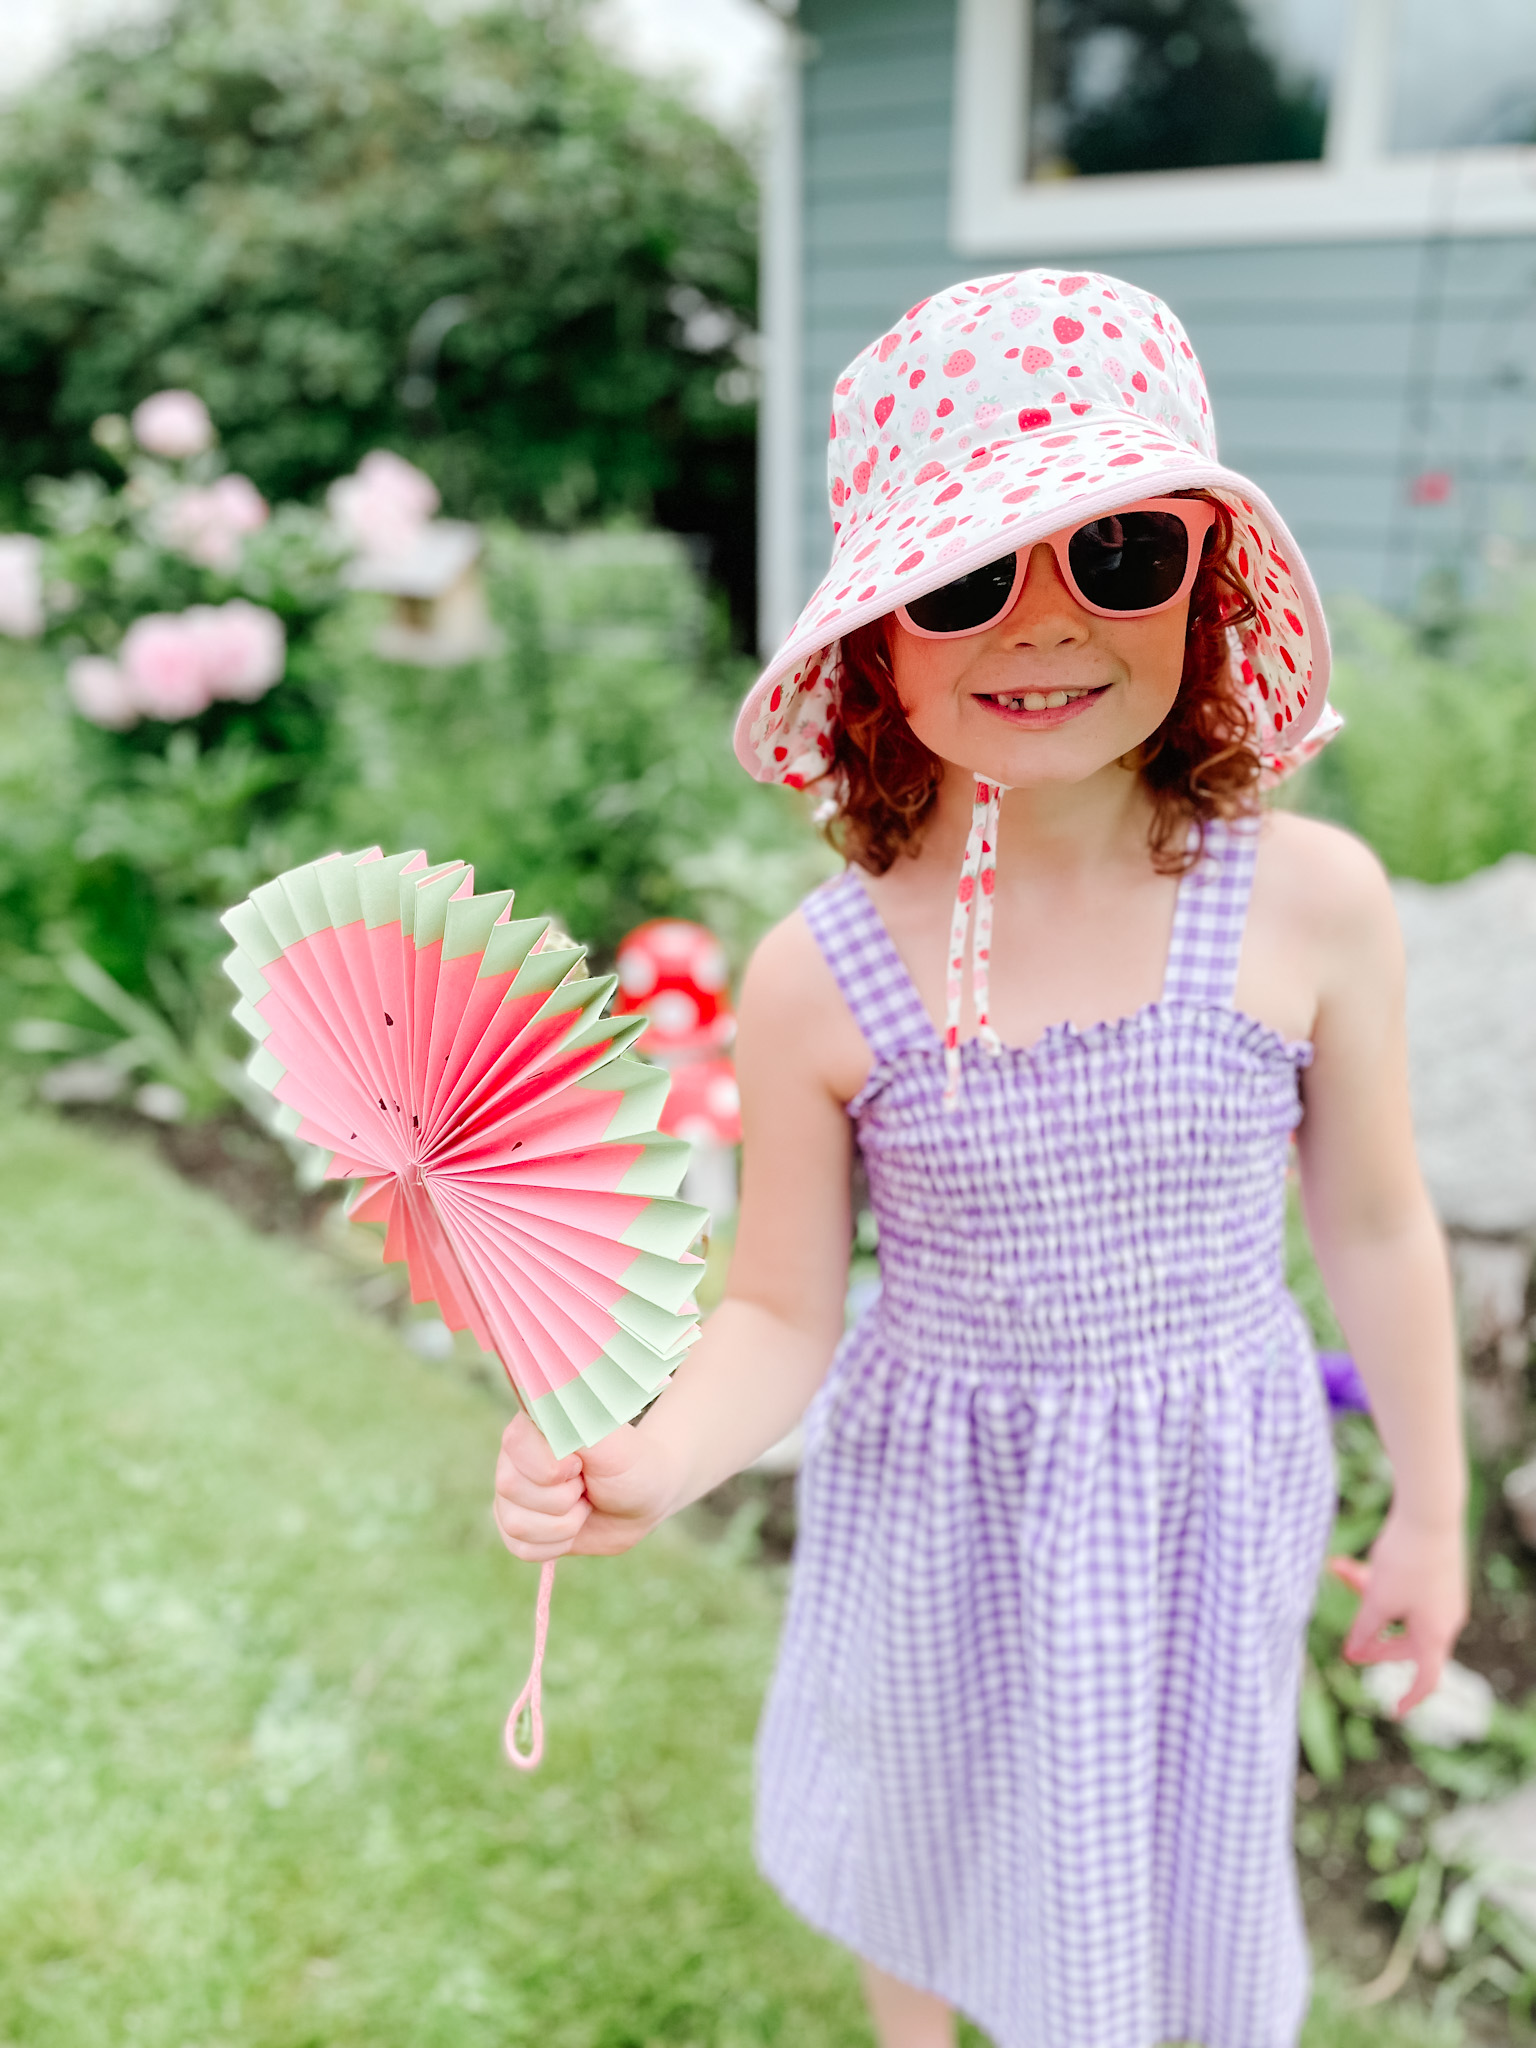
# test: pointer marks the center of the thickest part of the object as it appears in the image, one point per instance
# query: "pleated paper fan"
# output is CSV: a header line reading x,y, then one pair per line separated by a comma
x,y
451,1059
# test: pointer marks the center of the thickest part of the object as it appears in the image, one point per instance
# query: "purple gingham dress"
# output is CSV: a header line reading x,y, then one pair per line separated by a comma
x,y
1031,1740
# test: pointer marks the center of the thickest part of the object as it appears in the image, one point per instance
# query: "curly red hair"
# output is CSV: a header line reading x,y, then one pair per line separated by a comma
x,y
1201,763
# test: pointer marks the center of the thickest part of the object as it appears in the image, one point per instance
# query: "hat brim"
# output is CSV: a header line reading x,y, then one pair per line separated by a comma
x,y
785,727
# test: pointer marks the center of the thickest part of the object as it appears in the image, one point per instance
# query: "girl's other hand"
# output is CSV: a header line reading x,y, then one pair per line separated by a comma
x,y
594,1502
1415,1576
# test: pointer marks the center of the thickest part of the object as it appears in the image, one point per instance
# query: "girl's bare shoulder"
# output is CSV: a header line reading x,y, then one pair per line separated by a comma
x,y
1326,892
791,1004
1323,872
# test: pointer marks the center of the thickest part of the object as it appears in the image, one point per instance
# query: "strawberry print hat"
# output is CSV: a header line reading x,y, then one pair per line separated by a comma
x,y
993,414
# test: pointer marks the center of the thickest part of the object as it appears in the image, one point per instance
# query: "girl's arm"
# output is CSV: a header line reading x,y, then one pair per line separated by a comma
x,y
766,1348
1382,1257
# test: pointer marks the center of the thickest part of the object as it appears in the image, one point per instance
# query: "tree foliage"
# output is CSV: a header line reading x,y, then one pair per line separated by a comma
x,y
1159,85
260,199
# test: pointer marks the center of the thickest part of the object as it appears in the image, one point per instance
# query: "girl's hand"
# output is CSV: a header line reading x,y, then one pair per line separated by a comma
x,y
1417,1577
595,1502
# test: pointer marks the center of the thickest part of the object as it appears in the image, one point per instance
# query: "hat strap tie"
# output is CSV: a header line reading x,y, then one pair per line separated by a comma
x,y
973,915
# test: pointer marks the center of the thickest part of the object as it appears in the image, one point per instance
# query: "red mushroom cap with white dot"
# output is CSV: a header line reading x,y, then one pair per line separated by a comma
x,y
704,1104
677,973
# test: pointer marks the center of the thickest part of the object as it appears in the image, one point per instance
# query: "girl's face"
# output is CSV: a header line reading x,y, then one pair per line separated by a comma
x,y
1051,693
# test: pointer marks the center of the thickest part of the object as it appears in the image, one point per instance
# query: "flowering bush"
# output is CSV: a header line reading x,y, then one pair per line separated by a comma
x,y
343,224
174,665
174,424
180,612
587,759
209,526
180,596
383,505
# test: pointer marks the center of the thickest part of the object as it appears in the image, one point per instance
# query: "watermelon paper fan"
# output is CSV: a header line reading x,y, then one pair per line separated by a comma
x,y
452,1060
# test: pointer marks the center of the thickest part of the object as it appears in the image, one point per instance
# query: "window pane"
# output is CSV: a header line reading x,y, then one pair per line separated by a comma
x,y
1463,76
1166,85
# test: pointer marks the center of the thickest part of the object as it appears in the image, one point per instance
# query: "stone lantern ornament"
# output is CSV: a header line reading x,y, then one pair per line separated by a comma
x,y
439,616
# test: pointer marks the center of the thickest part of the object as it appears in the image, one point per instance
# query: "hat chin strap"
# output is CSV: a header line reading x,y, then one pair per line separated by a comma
x,y
973,914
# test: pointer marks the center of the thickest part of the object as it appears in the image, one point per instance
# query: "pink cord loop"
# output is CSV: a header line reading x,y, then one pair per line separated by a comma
x,y
532,1695
973,916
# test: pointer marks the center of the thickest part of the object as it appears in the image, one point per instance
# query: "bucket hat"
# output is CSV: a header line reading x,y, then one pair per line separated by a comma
x,y
991,415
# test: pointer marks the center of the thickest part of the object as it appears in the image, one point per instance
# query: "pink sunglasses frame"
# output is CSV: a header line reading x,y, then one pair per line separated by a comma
x,y
1198,517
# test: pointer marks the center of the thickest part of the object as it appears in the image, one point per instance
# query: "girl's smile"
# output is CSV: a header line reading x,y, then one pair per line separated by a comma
x,y
1052,693
1039,710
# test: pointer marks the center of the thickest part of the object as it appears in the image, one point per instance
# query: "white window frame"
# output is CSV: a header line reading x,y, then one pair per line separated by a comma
x,y
1357,192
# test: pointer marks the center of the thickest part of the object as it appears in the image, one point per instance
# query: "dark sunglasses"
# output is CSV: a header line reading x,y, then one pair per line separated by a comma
x,y
1122,565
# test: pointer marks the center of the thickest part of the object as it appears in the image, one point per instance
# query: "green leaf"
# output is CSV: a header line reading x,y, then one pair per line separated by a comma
x,y
1319,1729
1396,1888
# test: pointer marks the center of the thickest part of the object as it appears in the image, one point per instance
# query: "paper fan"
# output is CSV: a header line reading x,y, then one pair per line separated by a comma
x,y
446,1057
454,1062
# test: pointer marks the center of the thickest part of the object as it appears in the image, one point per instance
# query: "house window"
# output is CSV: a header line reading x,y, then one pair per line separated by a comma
x,y
1118,86
1121,124
1462,76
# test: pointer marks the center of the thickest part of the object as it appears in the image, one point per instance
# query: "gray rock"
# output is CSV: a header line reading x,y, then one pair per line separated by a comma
x,y
87,1080
1472,1043
1498,1840
1460,1709
429,1337
1520,1499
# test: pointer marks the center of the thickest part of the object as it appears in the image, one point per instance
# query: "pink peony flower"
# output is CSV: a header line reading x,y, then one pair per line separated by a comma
x,y
209,526
383,506
174,665
21,586
242,648
99,691
164,667
173,424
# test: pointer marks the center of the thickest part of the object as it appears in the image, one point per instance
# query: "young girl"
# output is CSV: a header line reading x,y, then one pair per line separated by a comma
x,y
1031,1744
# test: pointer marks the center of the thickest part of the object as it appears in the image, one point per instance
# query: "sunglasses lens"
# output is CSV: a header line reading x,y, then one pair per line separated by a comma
x,y
1130,561
968,602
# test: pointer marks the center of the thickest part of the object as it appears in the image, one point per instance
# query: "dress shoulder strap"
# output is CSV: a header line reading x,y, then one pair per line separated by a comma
x,y
867,967
1211,915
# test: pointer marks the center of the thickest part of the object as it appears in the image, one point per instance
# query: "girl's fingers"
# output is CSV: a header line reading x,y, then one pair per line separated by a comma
x,y
1353,1571
1367,1641
515,1486
537,1553
536,1537
523,1444
528,1471
540,1505
1425,1679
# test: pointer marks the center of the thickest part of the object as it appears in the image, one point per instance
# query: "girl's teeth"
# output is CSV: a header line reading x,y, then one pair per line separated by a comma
x,y
1037,700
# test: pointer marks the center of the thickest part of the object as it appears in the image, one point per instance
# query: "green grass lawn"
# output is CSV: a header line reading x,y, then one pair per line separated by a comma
x,y
256,1640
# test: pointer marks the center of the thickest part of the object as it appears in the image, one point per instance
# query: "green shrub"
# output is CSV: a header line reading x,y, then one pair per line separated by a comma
x,y
1436,767
259,200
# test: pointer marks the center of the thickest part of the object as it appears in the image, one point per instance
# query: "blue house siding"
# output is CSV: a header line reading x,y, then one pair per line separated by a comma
x,y
1339,372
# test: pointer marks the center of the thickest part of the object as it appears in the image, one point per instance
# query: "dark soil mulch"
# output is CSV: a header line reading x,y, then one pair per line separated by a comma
x,y
230,1157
